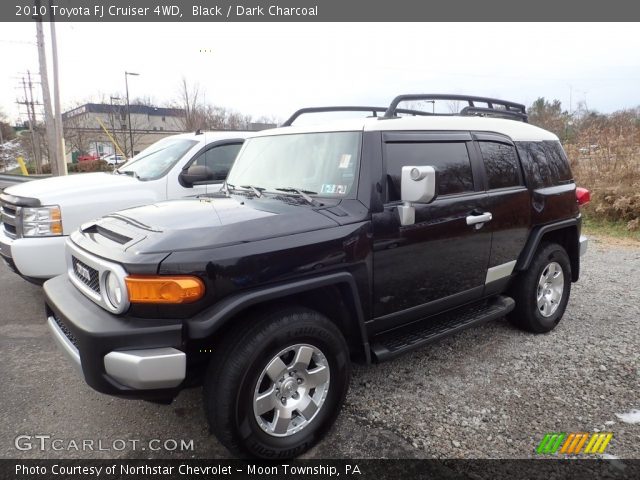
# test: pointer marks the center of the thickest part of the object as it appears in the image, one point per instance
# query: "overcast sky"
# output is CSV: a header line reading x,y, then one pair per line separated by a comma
x,y
273,69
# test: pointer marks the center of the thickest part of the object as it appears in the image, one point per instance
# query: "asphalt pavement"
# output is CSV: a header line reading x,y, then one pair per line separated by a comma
x,y
488,392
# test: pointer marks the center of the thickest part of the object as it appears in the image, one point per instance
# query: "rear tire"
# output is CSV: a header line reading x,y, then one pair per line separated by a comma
x,y
277,383
542,291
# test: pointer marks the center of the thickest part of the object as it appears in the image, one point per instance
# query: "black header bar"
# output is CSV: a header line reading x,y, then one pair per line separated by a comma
x,y
354,469
322,11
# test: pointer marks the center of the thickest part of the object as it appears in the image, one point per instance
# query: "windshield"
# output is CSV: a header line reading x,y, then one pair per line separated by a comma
x,y
322,164
153,162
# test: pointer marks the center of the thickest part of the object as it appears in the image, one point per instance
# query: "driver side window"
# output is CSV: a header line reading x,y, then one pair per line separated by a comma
x,y
219,160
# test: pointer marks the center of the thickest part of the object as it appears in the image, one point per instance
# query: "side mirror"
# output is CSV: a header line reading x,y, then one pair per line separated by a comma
x,y
195,174
417,185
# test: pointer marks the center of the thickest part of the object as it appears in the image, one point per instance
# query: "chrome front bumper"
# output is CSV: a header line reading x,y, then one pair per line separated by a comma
x,y
148,368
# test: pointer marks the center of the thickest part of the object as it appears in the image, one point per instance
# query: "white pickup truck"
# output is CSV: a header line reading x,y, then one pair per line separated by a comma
x,y
38,216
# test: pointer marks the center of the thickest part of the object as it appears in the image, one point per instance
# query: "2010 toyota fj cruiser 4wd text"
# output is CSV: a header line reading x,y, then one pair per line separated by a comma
x,y
358,239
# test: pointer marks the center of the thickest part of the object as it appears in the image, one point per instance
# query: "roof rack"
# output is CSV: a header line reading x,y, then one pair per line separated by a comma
x,y
495,107
374,111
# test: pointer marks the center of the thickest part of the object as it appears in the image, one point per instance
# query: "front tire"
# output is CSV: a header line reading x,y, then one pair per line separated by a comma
x,y
542,292
277,384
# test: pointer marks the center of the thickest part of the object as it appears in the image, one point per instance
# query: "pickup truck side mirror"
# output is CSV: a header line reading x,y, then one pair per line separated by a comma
x,y
417,185
196,174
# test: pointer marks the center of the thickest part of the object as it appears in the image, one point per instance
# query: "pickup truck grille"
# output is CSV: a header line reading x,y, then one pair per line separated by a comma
x,y
86,274
9,216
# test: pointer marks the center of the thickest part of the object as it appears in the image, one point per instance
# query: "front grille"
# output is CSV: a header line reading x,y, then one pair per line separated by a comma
x,y
66,331
8,209
8,216
9,229
86,274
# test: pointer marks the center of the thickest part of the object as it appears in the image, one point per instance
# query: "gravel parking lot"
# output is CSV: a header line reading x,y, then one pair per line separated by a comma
x,y
489,392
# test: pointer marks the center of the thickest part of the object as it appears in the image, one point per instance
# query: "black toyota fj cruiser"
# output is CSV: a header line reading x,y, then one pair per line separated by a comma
x,y
354,240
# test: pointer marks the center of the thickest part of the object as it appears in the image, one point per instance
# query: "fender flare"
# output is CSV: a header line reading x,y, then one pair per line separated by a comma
x,y
208,322
535,237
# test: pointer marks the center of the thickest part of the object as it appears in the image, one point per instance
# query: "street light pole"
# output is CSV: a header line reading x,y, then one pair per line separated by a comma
x,y
126,83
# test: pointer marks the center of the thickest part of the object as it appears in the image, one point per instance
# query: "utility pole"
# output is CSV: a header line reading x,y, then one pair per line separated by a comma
x,y
60,153
31,115
46,94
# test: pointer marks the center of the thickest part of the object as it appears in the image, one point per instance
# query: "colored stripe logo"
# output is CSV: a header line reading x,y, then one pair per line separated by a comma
x,y
573,443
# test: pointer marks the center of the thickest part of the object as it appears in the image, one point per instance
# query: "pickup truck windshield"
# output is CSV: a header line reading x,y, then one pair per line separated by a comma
x,y
155,161
323,164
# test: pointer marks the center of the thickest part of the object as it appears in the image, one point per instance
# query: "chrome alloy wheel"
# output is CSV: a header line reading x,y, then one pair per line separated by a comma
x,y
291,390
550,288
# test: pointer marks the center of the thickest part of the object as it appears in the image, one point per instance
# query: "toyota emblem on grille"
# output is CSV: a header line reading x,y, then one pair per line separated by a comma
x,y
83,272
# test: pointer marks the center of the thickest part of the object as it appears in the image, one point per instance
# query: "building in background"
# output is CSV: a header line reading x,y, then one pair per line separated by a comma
x,y
98,129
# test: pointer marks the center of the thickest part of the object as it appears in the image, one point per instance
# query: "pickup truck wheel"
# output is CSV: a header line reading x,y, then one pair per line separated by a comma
x,y
542,292
277,384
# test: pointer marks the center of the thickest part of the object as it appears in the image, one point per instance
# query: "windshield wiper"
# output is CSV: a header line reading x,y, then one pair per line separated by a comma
x,y
256,190
131,173
303,193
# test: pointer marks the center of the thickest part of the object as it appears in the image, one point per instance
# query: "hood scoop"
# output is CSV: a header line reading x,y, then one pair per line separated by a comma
x,y
97,229
113,236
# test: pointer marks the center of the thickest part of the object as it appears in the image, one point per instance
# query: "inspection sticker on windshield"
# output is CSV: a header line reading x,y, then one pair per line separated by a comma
x,y
333,188
345,160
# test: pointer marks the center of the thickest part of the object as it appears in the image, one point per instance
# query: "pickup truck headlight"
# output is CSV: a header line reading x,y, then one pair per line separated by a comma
x,y
41,221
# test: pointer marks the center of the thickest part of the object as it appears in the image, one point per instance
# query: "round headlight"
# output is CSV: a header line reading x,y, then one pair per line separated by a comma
x,y
114,290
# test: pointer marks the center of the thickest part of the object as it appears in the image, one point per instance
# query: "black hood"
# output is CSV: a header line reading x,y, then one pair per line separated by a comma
x,y
199,223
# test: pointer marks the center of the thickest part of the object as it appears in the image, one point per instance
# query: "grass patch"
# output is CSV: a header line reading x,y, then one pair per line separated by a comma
x,y
607,228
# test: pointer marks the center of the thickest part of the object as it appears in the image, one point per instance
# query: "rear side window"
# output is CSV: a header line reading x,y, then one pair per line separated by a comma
x,y
501,165
558,162
451,161
544,163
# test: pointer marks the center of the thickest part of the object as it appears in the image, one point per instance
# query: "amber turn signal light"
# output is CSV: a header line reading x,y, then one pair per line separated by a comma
x,y
164,289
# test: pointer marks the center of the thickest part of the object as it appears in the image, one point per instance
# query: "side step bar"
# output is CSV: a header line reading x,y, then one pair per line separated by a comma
x,y
409,337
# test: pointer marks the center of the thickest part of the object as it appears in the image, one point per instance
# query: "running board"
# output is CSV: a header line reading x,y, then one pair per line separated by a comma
x,y
409,337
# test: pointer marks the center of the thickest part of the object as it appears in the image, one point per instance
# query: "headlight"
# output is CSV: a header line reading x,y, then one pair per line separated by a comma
x,y
41,221
114,290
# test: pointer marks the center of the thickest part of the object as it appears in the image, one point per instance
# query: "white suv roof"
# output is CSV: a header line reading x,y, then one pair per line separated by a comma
x,y
208,137
516,130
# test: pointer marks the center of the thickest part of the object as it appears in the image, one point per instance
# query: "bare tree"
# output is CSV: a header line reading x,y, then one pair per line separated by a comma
x,y
454,106
77,137
6,132
146,100
268,120
189,101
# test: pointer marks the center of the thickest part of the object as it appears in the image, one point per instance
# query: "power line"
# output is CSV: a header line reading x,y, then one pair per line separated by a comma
x,y
31,113
21,42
